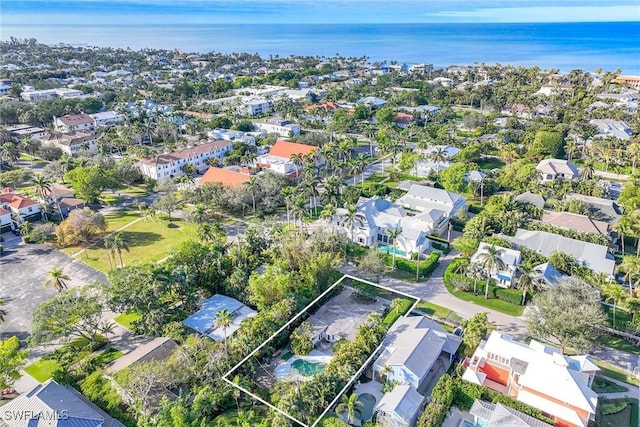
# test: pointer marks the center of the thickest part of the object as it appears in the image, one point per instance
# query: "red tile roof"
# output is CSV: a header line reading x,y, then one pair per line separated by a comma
x,y
16,201
226,177
205,147
76,119
404,118
286,149
4,211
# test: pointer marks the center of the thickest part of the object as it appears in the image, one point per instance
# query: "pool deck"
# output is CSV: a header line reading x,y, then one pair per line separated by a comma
x,y
285,371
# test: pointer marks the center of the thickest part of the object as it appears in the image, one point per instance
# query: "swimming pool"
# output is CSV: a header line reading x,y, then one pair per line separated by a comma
x,y
308,369
368,403
391,250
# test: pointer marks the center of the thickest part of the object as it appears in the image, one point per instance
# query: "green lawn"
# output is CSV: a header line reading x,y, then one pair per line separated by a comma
x,y
403,275
618,413
433,309
611,371
492,303
111,199
148,240
620,343
42,369
601,385
108,356
126,319
114,220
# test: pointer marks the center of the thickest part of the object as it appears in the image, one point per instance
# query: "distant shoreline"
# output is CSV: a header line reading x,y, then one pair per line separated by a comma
x,y
562,46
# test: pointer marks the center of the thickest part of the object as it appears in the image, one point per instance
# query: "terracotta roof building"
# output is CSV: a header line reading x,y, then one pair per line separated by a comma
x,y
279,158
226,177
72,122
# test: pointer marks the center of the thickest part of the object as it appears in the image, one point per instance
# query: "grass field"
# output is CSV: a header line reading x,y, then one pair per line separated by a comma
x,y
148,240
488,163
114,220
620,343
492,303
433,309
126,319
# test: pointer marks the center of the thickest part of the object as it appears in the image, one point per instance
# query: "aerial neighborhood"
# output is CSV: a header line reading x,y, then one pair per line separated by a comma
x,y
228,239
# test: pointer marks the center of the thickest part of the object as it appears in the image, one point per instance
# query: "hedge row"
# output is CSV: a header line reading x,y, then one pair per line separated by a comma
x,y
426,266
400,307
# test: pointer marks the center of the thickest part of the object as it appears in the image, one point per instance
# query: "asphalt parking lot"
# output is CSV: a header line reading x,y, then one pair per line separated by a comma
x,y
23,272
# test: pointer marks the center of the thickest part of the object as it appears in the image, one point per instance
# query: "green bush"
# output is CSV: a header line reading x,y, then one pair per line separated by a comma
x,y
426,266
399,307
98,389
514,296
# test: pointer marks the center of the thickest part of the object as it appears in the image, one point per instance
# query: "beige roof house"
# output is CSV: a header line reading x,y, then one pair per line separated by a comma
x,y
576,222
552,169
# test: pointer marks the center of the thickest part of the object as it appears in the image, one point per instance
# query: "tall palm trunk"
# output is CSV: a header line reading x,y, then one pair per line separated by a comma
x,y
486,288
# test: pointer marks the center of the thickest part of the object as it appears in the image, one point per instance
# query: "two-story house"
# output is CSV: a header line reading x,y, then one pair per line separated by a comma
x,y
438,204
280,158
504,277
74,122
169,165
538,375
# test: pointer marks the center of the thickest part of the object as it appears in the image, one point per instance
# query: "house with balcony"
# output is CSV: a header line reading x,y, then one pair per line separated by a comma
x,y
169,165
538,375
553,169
256,106
434,205
511,258
376,219
17,209
106,119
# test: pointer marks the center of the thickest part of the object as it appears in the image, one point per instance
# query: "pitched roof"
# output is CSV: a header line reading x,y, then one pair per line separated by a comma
x,y
403,401
287,149
608,208
577,222
547,371
531,198
76,119
558,167
226,177
499,415
185,153
596,257
203,320
16,201
415,343
54,405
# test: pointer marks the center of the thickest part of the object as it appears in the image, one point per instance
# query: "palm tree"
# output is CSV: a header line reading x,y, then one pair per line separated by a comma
x,y
42,186
57,279
615,295
624,227
25,228
362,162
526,281
491,259
438,155
630,265
350,406
350,217
223,320
297,160
118,243
327,213
571,148
393,234
252,186
209,232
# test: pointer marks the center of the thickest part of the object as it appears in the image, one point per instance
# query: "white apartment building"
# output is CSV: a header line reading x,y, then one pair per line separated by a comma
x,y
231,135
169,165
257,106
282,127
72,143
42,95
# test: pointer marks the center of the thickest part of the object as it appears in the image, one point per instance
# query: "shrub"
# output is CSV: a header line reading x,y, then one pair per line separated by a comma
x,y
513,296
399,306
41,233
426,266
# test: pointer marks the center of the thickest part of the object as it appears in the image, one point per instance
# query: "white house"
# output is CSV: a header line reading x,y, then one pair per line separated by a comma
x,y
231,135
21,131
400,407
436,204
612,128
106,119
510,257
413,346
73,143
5,220
426,166
376,218
20,208
169,165
282,127
256,106
279,158
553,169
74,122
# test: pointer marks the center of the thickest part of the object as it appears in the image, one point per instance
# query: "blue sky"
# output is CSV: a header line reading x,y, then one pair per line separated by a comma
x,y
38,12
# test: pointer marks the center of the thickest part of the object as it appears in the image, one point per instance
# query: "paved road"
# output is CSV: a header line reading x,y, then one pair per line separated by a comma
x,y
434,291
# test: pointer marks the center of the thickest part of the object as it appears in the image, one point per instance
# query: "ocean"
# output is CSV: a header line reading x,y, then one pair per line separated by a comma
x,y
564,46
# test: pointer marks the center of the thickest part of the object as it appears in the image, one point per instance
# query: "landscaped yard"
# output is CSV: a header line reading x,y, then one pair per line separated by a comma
x,y
433,309
149,240
114,220
126,319
620,343
602,385
488,163
42,369
618,413
492,303
611,371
